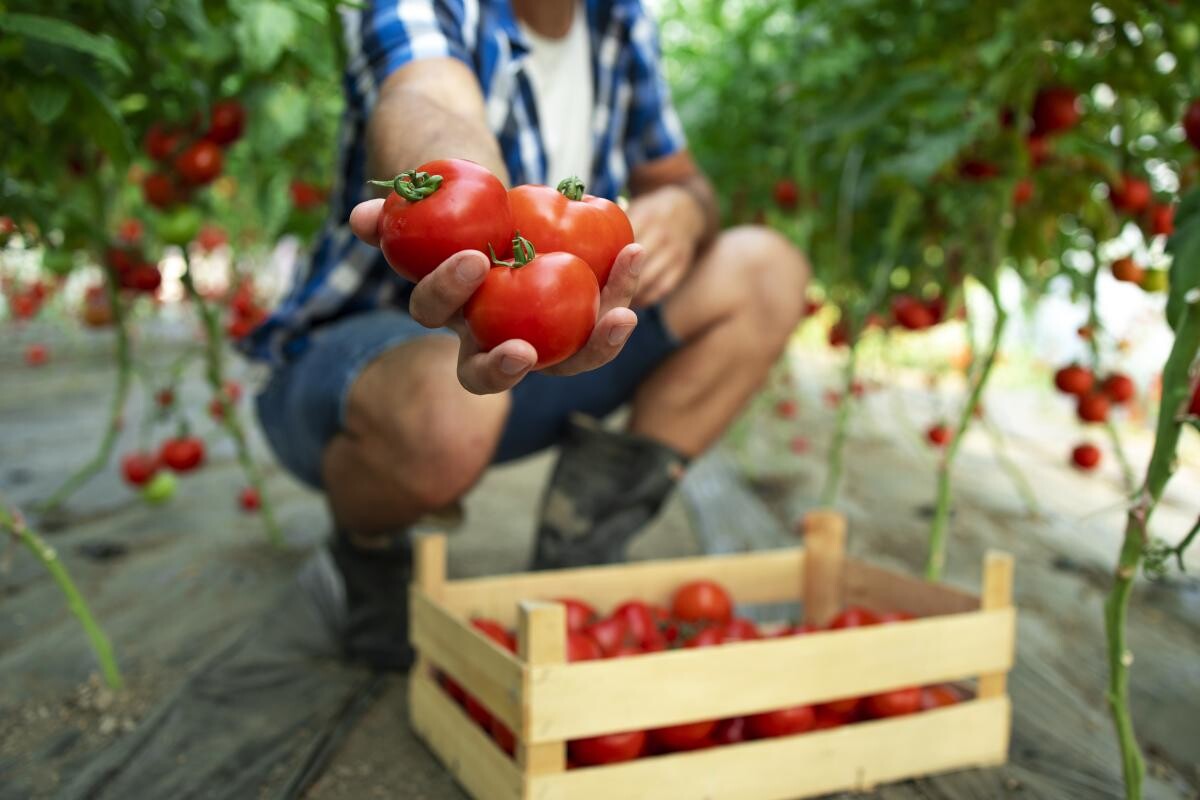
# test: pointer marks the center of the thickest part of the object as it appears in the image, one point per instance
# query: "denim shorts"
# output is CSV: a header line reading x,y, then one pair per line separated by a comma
x,y
303,405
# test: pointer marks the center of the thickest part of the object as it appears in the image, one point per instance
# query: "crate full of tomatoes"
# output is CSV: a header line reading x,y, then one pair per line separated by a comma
x,y
618,681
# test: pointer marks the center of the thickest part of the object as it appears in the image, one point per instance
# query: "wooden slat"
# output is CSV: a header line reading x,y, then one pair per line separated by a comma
x,y
649,691
483,669
884,590
854,757
542,638
462,747
997,593
763,577
429,574
824,565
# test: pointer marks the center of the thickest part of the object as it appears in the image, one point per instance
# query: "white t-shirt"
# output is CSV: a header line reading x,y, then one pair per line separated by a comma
x,y
560,71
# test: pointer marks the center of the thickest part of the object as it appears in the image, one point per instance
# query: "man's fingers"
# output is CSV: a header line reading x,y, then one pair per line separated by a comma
x,y
497,370
612,331
623,278
364,221
440,294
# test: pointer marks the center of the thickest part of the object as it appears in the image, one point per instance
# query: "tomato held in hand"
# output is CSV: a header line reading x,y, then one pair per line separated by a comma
x,y
200,164
439,209
702,601
611,748
549,300
182,454
567,220
784,722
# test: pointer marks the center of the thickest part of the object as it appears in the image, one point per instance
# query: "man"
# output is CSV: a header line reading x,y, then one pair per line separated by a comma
x,y
374,399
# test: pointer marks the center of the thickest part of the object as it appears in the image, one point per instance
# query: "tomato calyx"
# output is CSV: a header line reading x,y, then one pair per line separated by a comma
x,y
412,185
571,188
523,253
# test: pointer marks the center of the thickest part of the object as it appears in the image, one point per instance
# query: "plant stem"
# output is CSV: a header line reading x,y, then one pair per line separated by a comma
x,y
1175,396
936,558
833,477
214,372
46,554
124,370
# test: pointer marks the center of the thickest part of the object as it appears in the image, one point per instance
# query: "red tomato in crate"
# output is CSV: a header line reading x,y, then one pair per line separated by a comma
x,y
579,613
503,737
853,617
687,736
439,209
739,630
827,717
895,703
609,633
784,722
638,620
730,731
939,696
581,647
611,748
702,601
566,220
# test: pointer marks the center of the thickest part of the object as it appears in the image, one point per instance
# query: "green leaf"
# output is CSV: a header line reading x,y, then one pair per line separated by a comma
x,y
64,34
264,32
47,99
284,117
1184,246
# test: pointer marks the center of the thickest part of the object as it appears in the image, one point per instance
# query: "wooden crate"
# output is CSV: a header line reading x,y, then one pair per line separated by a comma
x,y
547,701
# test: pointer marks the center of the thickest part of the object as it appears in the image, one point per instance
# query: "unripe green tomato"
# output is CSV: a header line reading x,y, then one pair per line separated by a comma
x,y
160,489
1154,280
180,226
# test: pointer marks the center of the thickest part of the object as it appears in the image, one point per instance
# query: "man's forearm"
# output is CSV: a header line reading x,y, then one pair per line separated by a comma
x,y
408,128
701,191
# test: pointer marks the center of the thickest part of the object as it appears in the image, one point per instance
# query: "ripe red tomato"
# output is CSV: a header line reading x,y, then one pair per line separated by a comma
x,y
24,306
1191,123
227,120
496,632
611,748
1119,388
1055,109
161,142
1074,379
183,453
1038,148
828,718
305,196
37,354
97,312
159,191
1022,192
853,617
549,300
978,169
568,221
503,736
787,194
165,397
1131,195
702,601
638,620
739,630
1093,407
144,278
687,736
609,633
938,435
200,164
911,314
211,237
798,445
130,231
249,499
439,209
1086,456
1127,270
1194,408
581,647
707,637
1162,219
939,696
839,334
730,731
579,613
786,409
139,467
785,722
895,703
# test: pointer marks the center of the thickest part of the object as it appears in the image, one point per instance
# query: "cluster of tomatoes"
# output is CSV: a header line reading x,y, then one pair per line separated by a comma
x,y
180,454
701,615
563,245
189,159
1094,401
245,310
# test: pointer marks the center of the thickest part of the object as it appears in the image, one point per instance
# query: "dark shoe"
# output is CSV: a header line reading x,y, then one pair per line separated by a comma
x,y
606,486
369,588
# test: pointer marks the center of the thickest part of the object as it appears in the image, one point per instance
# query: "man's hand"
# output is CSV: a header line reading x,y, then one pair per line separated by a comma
x,y
439,297
668,223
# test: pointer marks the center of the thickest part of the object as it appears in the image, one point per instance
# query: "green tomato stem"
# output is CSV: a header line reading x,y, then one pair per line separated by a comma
x,y
571,188
412,185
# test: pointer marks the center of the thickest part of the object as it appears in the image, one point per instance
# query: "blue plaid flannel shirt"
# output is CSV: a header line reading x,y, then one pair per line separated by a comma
x,y
633,122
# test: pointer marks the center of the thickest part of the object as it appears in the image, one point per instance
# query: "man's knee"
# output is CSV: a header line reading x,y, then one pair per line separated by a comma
x,y
771,273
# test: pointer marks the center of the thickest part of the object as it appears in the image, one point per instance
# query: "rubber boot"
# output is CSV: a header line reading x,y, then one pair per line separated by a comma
x,y
375,581
604,489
